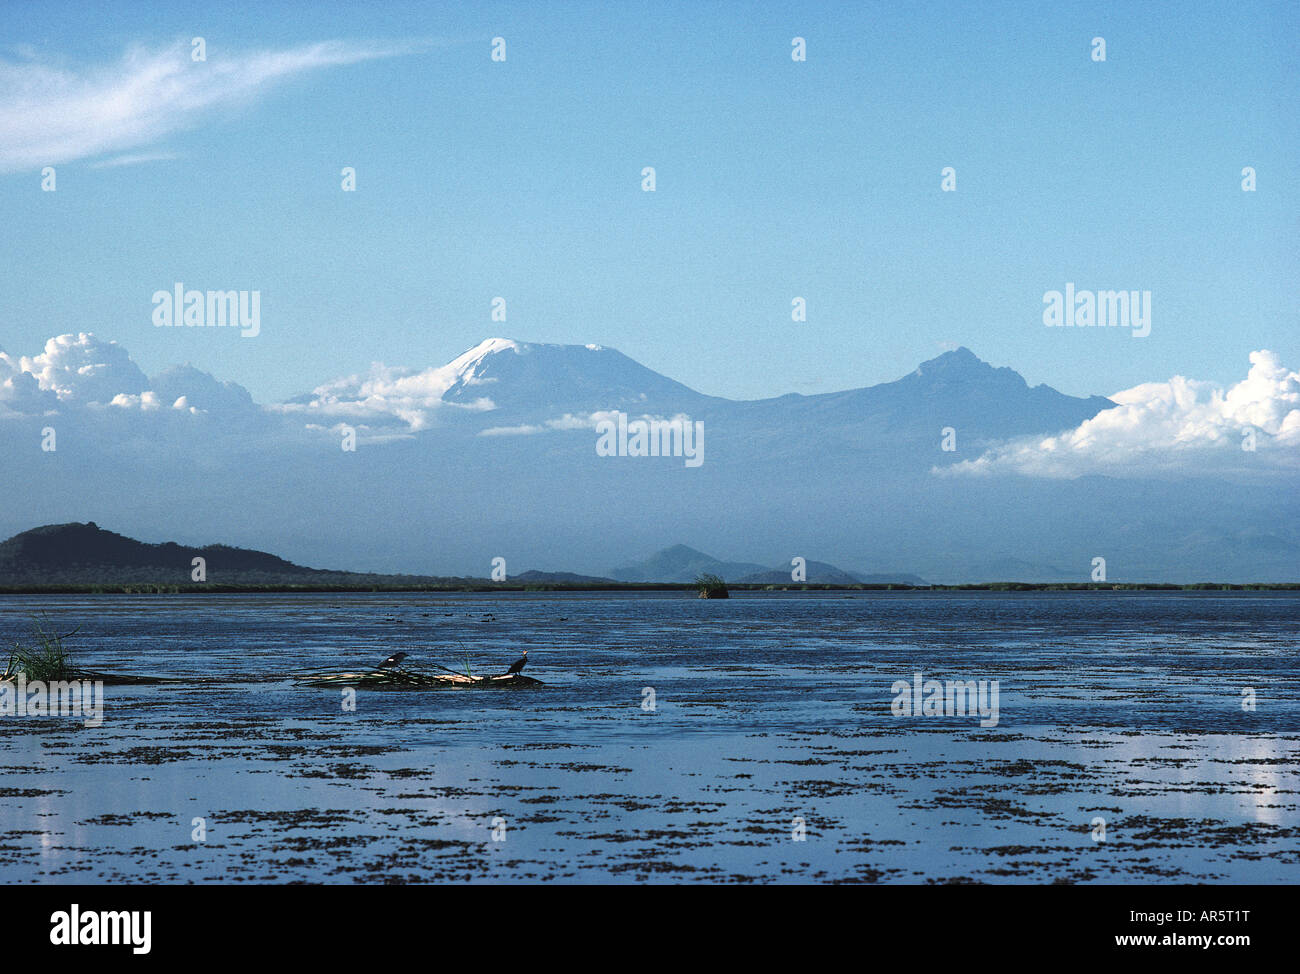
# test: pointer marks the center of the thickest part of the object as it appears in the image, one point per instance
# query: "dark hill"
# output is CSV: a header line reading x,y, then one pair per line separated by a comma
x,y
79,554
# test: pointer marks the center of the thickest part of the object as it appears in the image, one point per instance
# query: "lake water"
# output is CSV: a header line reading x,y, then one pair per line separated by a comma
x,y
771,754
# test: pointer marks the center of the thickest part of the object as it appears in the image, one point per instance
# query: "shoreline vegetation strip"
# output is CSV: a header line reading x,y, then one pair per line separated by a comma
x,y
166,588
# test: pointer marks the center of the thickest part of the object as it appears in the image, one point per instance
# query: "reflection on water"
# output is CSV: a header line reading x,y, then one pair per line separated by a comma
x,y
771,720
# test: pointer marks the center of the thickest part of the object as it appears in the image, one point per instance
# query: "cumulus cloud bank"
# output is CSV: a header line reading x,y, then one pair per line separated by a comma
x,y
51,114
1180,426
77,371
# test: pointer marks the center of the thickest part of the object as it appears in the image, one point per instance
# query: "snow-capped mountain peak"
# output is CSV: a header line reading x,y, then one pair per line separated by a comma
x,y
535,375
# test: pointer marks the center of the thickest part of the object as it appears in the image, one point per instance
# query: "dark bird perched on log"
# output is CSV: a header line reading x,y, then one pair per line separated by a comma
x,y
518,665
392,660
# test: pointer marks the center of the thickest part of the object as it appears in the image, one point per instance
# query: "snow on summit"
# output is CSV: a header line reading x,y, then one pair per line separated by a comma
x,y
498,374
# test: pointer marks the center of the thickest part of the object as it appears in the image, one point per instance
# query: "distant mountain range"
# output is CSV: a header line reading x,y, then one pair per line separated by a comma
x,y
86,554
495,455
682,564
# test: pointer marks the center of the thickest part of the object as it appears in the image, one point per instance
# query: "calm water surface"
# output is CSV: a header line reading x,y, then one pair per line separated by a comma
x,y
771,753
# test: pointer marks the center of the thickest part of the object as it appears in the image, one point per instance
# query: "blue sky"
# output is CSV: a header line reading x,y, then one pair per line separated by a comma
x,y
775,179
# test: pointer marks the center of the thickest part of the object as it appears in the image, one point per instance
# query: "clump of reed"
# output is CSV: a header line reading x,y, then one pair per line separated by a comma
x,y
44,657
711,586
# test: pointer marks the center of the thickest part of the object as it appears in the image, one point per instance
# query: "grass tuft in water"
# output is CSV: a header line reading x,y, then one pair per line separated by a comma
x,y
44,657
711,586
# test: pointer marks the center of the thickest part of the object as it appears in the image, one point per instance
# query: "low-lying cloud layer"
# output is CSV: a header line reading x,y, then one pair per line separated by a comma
x,y
1182,426
388,397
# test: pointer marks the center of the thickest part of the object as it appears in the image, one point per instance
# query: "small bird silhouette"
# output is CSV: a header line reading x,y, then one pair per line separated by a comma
x,y
518,665
392,660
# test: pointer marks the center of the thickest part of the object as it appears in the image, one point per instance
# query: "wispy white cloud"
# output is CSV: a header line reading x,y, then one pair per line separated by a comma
x,y
53,114
1183,426
133,159
583,421
565,423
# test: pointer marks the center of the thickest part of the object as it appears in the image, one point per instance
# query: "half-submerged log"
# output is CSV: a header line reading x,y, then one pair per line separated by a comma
x,y
391,679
